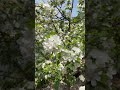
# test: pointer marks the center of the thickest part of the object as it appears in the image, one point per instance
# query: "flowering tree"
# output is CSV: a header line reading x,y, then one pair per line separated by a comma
x,y
102,45
16,45
59,44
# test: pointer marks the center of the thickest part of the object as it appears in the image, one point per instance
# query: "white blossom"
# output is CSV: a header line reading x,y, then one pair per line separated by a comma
x,y
43,65
48,62
46,5
46,76
52,43
61,67
82,88
82,78
76,50
68,55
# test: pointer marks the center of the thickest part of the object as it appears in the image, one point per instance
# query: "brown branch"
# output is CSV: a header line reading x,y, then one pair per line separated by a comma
x,y
69,27
72,6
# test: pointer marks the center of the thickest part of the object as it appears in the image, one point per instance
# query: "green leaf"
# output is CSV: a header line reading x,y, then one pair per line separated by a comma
x,y
56,84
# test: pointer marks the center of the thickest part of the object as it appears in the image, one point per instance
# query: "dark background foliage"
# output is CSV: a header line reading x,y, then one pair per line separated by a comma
x,y
103,21
16,44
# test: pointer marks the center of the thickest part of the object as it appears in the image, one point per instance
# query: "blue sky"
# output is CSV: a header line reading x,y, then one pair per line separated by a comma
x,y
74,9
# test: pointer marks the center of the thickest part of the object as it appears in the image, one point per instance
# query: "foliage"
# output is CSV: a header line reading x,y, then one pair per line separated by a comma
x,y
16,45
102,47
59,42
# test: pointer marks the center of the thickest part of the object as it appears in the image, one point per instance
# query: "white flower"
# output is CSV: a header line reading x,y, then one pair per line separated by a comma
x,y
48,45
55,12
68,55
82,88
61,67
76,50
81,56
46,5
43,65
48,62
82,78
52,43
56,39
46,76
